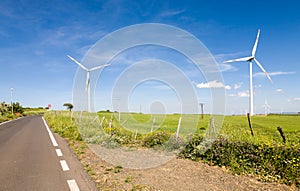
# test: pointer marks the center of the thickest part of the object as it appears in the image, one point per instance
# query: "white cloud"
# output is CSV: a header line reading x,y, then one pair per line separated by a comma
x,y
212,84
279,90
238,85
296,99
227,87
273,73
240,94
243,94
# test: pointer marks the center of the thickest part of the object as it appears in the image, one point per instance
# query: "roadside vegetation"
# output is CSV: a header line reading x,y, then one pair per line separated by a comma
x,y
9,112
264,156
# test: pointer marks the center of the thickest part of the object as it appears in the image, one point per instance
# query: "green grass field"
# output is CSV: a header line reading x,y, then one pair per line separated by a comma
x,y
264,127
235,128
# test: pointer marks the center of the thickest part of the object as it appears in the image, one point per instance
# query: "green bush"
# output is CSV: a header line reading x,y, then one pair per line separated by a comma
x,y
268,162
156,138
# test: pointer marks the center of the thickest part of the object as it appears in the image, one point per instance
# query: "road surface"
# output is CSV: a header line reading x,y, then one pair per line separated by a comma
x,y
31,158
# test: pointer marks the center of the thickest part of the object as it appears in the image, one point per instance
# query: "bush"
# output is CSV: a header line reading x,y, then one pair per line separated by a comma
x,y
156,138
268,162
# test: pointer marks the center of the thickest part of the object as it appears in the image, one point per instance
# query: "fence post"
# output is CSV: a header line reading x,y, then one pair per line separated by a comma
x,y
249,121
281,133
178,128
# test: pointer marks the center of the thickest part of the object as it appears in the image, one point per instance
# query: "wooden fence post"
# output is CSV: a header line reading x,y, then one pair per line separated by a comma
x,y
281,133
249,121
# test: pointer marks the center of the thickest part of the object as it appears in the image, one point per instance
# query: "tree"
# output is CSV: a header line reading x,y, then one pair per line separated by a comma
x,y
69,106
18,108
3,108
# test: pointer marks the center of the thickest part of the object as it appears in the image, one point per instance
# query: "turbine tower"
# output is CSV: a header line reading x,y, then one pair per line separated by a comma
x,y
267,108
88,85
250,59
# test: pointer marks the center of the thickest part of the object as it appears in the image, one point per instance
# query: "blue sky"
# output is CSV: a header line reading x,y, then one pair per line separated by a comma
x,y
36,36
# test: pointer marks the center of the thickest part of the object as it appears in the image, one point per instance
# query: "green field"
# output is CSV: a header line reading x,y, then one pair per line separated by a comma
x,y
264,127
235,128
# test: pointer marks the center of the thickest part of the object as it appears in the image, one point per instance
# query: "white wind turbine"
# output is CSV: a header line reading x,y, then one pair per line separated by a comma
x,y
250,59
267,107
88,85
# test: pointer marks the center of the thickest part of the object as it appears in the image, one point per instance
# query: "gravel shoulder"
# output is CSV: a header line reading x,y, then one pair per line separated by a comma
x,y
175,174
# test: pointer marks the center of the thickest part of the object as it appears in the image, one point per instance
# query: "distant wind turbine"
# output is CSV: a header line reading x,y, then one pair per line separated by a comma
x,y
250,59
87,84
267,107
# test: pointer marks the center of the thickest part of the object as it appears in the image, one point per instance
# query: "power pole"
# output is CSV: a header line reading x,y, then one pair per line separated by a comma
x,y
11,100
202,112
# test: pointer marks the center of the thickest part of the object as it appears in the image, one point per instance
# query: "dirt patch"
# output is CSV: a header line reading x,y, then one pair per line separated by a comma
x,y
176,174
132,158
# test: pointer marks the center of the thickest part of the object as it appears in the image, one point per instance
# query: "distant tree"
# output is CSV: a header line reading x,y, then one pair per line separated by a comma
x,y
69,106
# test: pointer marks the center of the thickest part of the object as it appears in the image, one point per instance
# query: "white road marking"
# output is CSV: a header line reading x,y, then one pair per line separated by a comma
x,y
64,165
73,185
50,134
58,152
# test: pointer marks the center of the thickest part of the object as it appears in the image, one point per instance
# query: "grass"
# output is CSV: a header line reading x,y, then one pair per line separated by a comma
x,y
263,155
34,111
236,128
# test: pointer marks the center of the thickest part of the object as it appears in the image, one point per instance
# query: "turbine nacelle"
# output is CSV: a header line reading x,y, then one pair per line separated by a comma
x,y
87,70
252,58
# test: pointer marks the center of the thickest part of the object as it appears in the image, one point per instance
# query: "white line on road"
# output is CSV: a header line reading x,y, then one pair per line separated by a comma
x,y
73,185
58,152
50,134
64,165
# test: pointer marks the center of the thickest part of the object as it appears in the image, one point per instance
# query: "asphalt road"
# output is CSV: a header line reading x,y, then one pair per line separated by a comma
x,y
29,160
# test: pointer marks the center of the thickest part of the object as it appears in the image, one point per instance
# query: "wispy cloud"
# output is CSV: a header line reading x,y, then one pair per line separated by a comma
x,y
243,94
238,85
169,13
224,67
273,73
212,84
296,99
240,94
279,90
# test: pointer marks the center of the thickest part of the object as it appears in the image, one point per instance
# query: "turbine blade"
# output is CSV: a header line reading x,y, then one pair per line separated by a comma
x,y
255,44
262,68
98,67
239,59
82,66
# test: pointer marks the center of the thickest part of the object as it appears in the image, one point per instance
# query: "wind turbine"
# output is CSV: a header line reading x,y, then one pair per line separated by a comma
x,y
267,107
87,84
250,59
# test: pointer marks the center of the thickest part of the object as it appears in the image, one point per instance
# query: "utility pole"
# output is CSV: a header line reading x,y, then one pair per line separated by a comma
x,y
119,106
202,113
11,100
